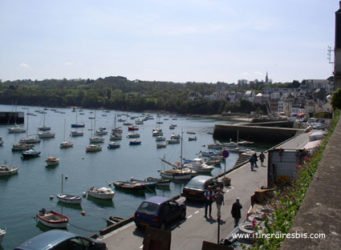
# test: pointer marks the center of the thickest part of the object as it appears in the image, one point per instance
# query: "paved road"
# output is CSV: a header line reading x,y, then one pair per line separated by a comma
x,y
189,234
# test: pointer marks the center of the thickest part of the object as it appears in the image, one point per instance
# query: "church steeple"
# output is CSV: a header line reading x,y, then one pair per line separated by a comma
x,y
266,78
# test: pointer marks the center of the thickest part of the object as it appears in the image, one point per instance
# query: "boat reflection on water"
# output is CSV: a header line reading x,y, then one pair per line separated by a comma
x,y
100,202
69,205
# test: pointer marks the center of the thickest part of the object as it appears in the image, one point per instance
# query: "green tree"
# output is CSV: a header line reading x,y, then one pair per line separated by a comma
x,y
336,100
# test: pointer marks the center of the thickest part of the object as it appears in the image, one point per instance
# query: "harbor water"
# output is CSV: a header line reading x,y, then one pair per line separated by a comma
x,y
35,185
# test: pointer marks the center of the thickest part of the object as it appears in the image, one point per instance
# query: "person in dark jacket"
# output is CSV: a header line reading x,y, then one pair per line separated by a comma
x,y
209,198
235,211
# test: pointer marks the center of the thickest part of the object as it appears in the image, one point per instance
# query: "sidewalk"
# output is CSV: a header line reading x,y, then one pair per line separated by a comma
x,y
190,234
320,211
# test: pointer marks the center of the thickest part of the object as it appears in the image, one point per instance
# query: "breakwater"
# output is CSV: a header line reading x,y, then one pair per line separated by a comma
x,y
255,133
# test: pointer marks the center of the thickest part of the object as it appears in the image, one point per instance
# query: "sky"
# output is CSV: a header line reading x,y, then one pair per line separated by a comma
x,y
167,40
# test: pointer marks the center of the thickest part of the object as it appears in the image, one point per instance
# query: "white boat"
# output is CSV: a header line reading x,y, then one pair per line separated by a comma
x,y
66,144
160,138
113,145
101,132
133,135
199,165
52,219
52,161
16,130
92,148
46,135
30,140
157,132
75,133
21,147
7,170
103,193
68,198
96,139
2,234
115,137
31,153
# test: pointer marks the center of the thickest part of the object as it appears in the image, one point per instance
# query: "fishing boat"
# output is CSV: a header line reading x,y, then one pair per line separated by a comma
x,y
199,165
129,185
68,198
52,219
103,193
92,148
146,183
160,182
7,170
2,234
31,153
113,145
52,161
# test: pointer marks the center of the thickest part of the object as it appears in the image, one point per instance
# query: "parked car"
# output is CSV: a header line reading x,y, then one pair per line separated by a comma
x,y
61,240
194,189
160,212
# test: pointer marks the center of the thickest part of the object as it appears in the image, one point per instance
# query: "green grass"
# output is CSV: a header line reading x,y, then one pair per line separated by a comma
x,y
288,200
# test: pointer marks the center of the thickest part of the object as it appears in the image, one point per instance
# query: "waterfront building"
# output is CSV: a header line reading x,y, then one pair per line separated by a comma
x,y
337,49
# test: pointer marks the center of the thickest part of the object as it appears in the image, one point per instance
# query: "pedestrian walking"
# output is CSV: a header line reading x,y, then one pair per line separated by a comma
x,y
252,162
262,158
219,200
209,198
255,160
235,211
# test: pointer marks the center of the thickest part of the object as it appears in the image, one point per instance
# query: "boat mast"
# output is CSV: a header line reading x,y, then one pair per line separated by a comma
x,y
181,147
62,184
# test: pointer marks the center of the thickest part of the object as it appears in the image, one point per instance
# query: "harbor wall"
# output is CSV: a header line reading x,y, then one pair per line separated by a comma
x,y
258,134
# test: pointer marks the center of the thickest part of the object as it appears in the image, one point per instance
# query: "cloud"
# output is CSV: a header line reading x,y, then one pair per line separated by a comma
x,y
24,66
